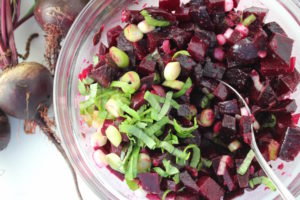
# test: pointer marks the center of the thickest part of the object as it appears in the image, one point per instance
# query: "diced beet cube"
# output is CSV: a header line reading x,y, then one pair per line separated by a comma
x,y
214,70
102,49
200,16
291,144
233,19
147,66
116,150
112,35
104,75
208,36
286,105
125,45
259,13
238,79
132,16
242,180
235,37
266,95
197,48
209,189
281,46
273,65
186,196
184,110
229,107
187,64
158,90
229,180
156,39
198,73
192,171
221,92
150,182
195,3
169,4
179,36
219,21
284,120
188,181
245,128
210,84
291,81
153,197
272,28
193,140
147,81
171,185
228,130
261,40
183,14
243,53
158,13
215,6
138,100
140,49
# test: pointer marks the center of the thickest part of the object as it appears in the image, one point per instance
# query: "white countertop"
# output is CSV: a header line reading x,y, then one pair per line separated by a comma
x,y
30,167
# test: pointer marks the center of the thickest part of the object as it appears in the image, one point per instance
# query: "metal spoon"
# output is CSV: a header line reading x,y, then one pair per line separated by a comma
x,y
284,192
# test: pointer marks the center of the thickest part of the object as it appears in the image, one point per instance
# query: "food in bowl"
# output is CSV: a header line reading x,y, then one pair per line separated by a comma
x,y
162,119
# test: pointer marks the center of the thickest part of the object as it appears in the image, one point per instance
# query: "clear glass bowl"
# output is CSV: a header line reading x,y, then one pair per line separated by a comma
x,y
77,52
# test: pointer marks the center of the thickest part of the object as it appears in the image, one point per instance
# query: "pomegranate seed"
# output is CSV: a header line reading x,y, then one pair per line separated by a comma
x,y
262,54
219,54
228,33
221,39
228,5
242,29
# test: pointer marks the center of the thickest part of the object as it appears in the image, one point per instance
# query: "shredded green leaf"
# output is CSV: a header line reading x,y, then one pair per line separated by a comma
x,y
152,101
82,89
151,130
181,52
262,180
165,194
207,163
173,150
160,172
184,132
132,184
154,22
205,102
170,169
160,99
166,107
176,178
129,110
131,169
246,163
126,88
196,154
187,85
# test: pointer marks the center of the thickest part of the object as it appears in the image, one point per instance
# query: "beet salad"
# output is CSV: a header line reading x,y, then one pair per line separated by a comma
x,y
163,121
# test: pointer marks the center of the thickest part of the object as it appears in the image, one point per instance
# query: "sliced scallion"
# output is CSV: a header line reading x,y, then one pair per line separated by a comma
x,y
187,85
196,154
131,169
246,163
154,22
262,180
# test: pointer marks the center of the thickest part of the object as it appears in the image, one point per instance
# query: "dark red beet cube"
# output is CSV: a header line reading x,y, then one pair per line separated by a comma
x,y
112,35
233,19
187,64
267,95
179,36
284,120
169,4
147,81
198,73
291,81
235,37
132,16
150,182
237,78
286,105
208,83
138,100
140,49
229,180
209,189
291,144
273,65
245,128
208,36
153,197
272,28
171,185
188,181
229,107
183,14
281,46
186,196
158,90
242,180
221,92
102,49
215,5
200,16
259,13
104,75
214,70
147,66
125,45
261,40
243,53
197,48
193,140
228,130
156,39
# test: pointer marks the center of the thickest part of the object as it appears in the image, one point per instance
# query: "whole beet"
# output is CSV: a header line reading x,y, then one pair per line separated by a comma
x,y
25,90
4,131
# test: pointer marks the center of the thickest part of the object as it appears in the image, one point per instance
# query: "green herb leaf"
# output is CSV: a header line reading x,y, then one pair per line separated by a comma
x,y
207,163
160,99
154,22
262,180
176,178
170,169
181,52
160,172
126,88
196,154
129,110
132,184
184,132
131,170
151,130
165,194
166,107
246,163
187,85
270,123
81,88
173,150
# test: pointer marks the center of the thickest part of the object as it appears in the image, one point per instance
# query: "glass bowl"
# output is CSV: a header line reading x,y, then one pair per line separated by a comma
x,y
77,52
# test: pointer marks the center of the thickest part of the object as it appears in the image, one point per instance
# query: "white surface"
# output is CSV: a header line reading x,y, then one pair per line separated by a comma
x,y
30,167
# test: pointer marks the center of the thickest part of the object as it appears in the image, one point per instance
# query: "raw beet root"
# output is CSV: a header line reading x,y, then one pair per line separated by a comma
x,y
156,39
112,35
221,92
214,70
169,4
229,180
238,79
138,100
291,144
272,28
105,74
198,73
25,90
210,84
229,107
243,53
147,65
150,182
187,64
291,80
209,189
140,49
208,36
188,181
200,16
4,131
261,40
197,48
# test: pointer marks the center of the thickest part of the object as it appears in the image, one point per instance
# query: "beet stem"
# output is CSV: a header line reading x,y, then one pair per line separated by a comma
x,y
25,18
3,24
42,123
27,48
17,8
10,33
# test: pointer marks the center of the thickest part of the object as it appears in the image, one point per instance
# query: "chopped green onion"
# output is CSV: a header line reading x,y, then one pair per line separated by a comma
x,y
181,52
131,169
141,125
82,89
166,107
94,90
207,163
184,132
95,60
173,150
115,162
154,22
126,88
196,154
152,101
132,184
271,123
138,133
88,81
129,110
262,180
160,99
249,20
204,102
187,85
233,146
165,194
246,163
151,130
160,172
170,169
176,178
